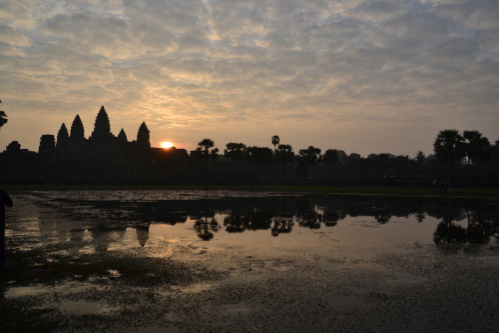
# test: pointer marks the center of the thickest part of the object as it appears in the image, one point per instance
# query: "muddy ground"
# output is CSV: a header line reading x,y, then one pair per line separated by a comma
x,y
188,288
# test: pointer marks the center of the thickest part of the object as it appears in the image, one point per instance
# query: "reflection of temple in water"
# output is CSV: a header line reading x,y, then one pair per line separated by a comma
x,y
142,234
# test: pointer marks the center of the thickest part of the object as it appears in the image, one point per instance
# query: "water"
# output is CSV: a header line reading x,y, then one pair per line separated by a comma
x,y
147,260
249,223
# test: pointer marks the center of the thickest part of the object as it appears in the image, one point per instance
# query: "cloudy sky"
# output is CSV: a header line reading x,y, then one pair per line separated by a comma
x,y
358,75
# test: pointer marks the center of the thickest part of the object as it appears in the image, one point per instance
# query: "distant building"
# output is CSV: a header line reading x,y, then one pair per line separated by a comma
x,y
100,156
102,139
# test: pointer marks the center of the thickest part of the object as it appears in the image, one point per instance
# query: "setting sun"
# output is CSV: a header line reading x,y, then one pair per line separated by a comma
x,y
166,144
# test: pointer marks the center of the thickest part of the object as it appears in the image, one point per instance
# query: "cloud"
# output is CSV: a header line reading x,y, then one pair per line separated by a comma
x,y
13,38
202,64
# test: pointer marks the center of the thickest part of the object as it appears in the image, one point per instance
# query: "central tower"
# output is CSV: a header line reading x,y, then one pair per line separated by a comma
x,y
101,136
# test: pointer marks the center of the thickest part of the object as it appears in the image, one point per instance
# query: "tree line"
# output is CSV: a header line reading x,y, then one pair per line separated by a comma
x,y
467,156
455,154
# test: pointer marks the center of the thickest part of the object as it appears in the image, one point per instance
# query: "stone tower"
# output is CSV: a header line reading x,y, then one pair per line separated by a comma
x,y
101,136
143,138
77,130
62,138
47,145
122,136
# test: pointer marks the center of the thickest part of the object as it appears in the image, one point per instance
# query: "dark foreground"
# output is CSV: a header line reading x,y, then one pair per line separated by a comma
x,y
178,284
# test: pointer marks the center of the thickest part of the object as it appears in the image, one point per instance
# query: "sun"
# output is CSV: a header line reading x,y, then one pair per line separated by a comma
x,y
166,144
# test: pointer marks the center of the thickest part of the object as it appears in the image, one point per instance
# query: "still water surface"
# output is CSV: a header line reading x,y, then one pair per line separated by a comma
x,y
249,223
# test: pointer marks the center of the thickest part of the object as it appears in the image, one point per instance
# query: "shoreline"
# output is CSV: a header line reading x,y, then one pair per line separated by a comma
x,y
350,190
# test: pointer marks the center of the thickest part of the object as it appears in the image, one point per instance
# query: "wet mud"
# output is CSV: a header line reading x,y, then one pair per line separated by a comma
x,y
70,279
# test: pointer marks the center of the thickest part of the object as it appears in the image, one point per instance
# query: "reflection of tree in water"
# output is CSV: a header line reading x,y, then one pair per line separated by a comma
x,y
382,215
282,226
306,215
205,229
259,220
420,216
235,223
108,220
481,227
448,233
331,215
330,219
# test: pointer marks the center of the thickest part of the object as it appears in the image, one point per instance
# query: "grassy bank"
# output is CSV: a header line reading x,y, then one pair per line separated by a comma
x,y
464,192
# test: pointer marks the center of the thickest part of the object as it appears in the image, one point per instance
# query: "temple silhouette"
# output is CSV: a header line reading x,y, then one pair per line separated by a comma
x,y
102,155
100,139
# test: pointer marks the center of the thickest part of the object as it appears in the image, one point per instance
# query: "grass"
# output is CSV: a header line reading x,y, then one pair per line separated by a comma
x,y
407,191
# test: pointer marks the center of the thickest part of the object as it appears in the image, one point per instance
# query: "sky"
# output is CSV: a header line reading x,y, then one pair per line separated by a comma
x,y
357,75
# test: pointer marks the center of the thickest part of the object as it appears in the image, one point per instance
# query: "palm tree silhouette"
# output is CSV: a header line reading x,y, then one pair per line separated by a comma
x,y
275,141
207,153
3,118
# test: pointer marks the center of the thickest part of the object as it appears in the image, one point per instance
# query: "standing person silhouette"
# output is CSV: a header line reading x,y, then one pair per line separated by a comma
x,y
5,200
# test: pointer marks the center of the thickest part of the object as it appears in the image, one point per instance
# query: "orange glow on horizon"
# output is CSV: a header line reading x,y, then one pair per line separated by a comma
x,y
166,144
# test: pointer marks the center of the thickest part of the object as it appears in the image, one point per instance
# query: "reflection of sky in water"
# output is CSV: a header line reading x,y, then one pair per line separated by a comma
x,y
249,225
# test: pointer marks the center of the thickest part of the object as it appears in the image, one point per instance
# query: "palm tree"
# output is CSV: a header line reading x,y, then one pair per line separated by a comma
x,y
3,118
330,158
275,141
478,148
449,147
207,153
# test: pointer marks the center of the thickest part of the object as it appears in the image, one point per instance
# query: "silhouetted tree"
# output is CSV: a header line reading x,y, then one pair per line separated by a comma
x,y
495,152
310,157
3,118
301,166
260,156
207,153
478,148
449,147
382,162
420,157
284,155
235,151
330,158
275,141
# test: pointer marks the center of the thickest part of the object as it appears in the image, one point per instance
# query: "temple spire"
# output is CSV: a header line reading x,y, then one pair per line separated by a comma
x,y
122,136
143,138
102,125
101,136
62,137
77,130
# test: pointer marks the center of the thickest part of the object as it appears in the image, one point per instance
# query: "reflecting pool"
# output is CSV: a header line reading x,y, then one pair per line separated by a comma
x,y
257,223
184,261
